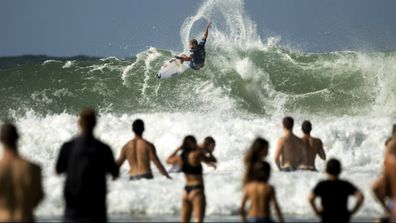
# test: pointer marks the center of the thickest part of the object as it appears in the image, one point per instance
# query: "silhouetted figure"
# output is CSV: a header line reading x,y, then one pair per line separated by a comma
x,y
334,194
260,194
289,154
139,154
256,153
86,161
20,181
313,147
190,160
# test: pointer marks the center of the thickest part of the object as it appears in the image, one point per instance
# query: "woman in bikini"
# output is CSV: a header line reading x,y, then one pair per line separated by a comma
x,y
190,159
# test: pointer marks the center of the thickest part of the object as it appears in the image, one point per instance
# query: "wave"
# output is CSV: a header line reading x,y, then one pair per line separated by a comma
x,y
250,81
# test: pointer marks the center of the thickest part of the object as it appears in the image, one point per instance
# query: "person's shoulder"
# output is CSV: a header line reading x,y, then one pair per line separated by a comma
x,y
70,142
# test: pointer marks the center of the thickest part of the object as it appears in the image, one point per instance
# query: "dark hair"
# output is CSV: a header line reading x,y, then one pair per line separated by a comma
x,y
256,153
306,127
193,42
9,135
394,130
87,120
333,167
391,146
261,171
209,140
288,122
189,143
138,127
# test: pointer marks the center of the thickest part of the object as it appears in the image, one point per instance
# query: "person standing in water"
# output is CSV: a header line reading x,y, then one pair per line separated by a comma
x,y
385,187
20,180
260,194
86,161
190,159
257,152
289,154
314,146
208,147
139,154
197,55
334,195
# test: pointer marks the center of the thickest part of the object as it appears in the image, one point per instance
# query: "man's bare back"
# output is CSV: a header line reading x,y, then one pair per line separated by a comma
x,y
139,154
290,149
20,180
20,189
314,146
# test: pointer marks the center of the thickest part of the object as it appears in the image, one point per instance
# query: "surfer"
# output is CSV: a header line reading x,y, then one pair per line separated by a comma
x,y
197,51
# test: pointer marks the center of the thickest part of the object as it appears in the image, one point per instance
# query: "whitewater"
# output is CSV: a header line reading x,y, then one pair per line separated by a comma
x,y
247,86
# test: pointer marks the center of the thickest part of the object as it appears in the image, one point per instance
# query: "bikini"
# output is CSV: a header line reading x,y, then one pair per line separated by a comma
x,y
187,168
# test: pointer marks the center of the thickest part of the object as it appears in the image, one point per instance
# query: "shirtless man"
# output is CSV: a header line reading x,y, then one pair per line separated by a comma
x,y
314,146
290,149
261,195
20,181
139,153
385,187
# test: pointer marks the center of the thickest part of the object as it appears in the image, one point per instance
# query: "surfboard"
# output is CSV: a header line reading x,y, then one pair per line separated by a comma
x,y
171,68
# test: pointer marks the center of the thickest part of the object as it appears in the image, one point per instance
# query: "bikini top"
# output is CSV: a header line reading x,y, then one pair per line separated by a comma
x,y
187,168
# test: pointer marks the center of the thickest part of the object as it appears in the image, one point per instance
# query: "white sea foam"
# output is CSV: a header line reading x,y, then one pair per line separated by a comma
x,y
68,64
50,61
356,141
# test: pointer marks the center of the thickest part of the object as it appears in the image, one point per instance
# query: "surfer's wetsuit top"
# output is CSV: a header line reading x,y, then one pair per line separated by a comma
x,y
198,56
187,168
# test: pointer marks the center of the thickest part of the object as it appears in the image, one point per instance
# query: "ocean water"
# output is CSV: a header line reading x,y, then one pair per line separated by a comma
x,y
247,86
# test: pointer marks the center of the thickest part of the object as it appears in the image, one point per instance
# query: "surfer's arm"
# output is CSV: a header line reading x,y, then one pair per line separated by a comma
x,y
205,35
183,57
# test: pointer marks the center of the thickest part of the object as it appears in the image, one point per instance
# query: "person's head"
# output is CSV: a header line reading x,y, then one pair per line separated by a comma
x,y
261,172
209,143
138,127
189,143
288,123
9,136
333,167
306,127
257,151
193,43
87,120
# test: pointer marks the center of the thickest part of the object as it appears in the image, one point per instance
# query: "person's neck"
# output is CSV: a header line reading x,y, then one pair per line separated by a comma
x,y
332,177
87,134
288,132
307,135
9,153
138,136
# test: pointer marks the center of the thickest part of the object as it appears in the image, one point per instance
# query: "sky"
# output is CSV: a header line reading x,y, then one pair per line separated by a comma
x,y
123,28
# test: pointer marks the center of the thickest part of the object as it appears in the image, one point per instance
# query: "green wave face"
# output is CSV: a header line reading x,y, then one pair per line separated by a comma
x,y
258,81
